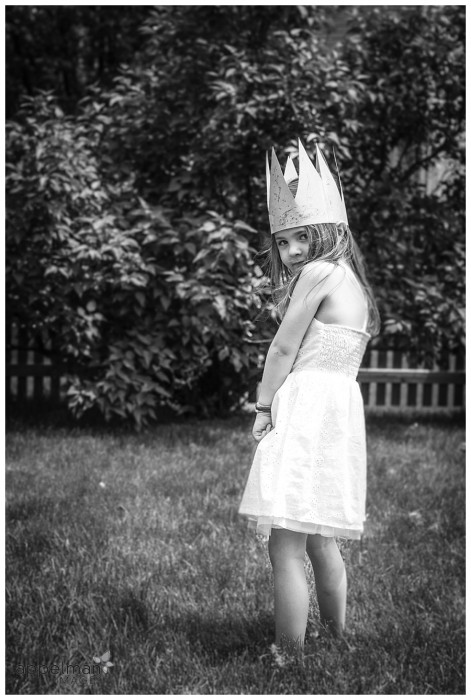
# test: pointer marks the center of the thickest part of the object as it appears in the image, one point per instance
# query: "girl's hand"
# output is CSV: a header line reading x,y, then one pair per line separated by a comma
x,y
262,426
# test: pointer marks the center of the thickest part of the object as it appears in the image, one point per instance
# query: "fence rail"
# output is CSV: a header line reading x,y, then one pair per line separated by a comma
x,y
385,378
387,381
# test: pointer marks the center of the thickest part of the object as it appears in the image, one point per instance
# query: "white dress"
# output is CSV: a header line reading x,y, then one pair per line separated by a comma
x,y
309,471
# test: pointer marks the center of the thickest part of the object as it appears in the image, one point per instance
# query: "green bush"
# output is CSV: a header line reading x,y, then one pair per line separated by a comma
x,y
152,310
193,115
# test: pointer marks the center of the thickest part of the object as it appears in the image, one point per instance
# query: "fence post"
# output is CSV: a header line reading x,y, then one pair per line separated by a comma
x,y
459,388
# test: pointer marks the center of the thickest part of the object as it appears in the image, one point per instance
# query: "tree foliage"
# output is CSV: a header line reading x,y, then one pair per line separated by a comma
x,y
125,238
412,119
390,98
145,302
66,48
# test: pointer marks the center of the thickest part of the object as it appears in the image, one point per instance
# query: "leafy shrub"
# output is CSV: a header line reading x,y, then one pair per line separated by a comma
x,y
193,116
151,310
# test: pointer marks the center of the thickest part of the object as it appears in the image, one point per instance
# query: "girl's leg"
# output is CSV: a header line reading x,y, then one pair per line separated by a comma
x,y
286,551
331,581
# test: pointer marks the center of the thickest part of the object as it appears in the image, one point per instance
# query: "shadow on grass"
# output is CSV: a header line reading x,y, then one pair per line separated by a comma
x,y
400,416
51,414
225,637
218,638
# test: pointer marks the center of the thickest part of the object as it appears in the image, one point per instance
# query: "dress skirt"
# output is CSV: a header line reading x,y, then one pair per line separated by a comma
x,y
309,472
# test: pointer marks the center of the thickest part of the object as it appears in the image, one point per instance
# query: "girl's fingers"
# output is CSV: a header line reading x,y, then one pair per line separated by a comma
x,y
260,434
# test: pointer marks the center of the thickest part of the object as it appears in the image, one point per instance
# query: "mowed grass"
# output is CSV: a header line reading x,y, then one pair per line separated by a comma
x,y
132,544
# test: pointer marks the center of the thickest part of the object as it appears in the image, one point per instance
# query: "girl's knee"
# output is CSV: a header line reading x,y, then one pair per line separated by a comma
x,y
318,546
285,545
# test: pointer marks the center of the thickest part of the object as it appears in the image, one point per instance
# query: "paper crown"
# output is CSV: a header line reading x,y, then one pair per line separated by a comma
x,y
317,200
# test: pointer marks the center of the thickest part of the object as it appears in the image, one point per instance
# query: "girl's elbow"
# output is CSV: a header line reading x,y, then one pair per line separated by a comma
x,y
282,350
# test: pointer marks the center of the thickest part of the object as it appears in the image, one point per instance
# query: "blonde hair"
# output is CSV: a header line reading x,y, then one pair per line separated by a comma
x,y
332,243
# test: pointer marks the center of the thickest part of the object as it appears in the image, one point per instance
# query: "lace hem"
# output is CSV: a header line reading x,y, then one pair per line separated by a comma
x,y
263,525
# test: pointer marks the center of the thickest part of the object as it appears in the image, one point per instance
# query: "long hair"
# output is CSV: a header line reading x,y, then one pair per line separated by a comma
x,y
332,243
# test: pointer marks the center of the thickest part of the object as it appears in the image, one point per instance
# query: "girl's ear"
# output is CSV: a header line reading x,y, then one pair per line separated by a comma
x,y
342,228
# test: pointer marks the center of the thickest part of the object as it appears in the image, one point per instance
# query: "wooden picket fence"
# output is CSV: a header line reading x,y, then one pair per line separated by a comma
x,y
386,379
31,373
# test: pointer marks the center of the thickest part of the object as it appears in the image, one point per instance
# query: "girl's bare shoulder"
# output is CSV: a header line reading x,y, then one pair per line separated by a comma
x,y
317,271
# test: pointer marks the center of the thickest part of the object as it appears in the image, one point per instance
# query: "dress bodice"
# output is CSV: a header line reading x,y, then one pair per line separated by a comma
x,y
328,347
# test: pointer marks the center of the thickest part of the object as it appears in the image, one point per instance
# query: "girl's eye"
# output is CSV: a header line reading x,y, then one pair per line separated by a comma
x,y
280,243
303,236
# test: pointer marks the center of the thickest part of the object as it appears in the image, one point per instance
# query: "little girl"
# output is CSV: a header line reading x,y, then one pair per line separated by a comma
x,y
307,483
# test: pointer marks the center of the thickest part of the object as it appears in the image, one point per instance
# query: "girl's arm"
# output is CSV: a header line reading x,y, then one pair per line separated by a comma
x,y
316,281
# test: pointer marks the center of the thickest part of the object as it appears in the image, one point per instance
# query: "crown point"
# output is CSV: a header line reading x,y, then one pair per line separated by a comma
x,y
290,171
317,198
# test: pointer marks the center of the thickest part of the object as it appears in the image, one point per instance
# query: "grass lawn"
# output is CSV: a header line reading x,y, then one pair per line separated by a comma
x,y
132,544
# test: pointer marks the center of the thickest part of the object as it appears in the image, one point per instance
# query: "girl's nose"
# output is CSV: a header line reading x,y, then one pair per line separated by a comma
x,y
295,250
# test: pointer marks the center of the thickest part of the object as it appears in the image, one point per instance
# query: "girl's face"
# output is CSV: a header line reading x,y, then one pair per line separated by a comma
x,y
293,247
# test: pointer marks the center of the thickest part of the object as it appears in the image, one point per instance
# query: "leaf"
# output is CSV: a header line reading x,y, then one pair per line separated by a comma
x,y
141,298
245,227
203,253
191,247
220,305
165,301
